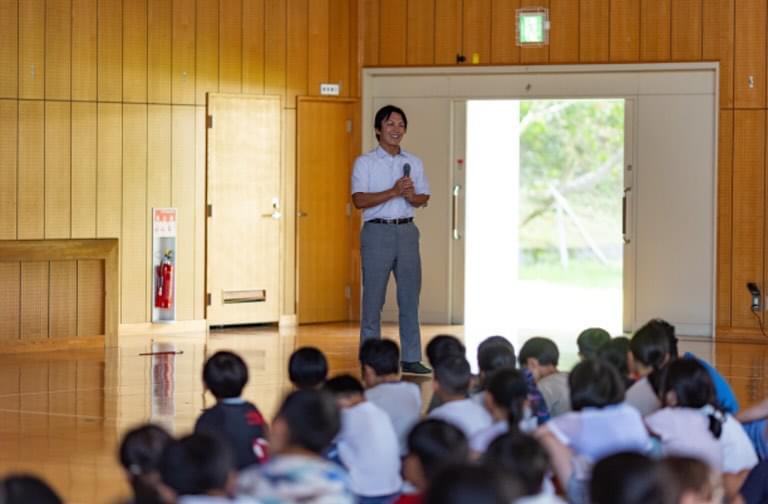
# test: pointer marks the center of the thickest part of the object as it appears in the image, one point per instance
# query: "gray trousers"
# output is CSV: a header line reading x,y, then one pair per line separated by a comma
x,y
386,248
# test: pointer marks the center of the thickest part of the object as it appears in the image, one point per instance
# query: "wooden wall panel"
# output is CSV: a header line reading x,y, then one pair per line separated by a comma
x,y
369,27
133,249
58,170
34,300
717,44
339,60
686,30
594,27
109,172
393,26
183,52
200,195
9,48
750,54
135,51
110,55
625,30
564,40
159,30
31,172
420,39
32,49
207,49
63,299
231,45
84,169
253,46
476,31
530,54
58,49
183,198
10,301
354,55
504,48
655,16
724,218
90,297
297,51
448,36
9,116
84,49
275,37
748,212
319,44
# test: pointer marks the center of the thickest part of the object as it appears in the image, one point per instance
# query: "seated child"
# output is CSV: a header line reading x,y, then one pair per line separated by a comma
x,y
540,356
303,428
650,352
367,444
438,348
693,480
432,445
522,457
630,478
506,399
590,340
451,386
465,484
200,469
26,489
601,424
307,368
140,452
234,419
616,352
380,361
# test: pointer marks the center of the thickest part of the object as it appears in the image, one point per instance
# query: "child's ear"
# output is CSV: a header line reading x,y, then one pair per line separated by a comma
x,y
231,485
670,398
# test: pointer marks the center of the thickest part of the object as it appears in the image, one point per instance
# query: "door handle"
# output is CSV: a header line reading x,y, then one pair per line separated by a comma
x,y
276,214
455,218
624,234
302,214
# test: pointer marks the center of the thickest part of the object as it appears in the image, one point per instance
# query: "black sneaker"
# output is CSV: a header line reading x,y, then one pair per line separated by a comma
x,y
415,368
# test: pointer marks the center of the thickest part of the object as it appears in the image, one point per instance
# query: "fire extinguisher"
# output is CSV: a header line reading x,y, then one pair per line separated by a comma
x,y
164,289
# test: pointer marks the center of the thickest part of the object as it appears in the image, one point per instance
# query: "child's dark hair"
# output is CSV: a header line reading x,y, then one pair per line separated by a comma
x,y
344,386
312,417
495,353
142,448
197,464
615,352
629,478
590,340
307,368
693,387
522,457
689,475
650,345
453,375
509,390
442,346
383,114
595,384
437,443
383,356
460,484
542,349
25,489
225,375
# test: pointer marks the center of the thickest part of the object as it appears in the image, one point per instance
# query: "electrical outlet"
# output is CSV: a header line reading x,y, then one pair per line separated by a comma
x,y
754,291
327,89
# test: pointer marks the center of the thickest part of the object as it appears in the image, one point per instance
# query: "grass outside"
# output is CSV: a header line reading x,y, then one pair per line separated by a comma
x,y
580,273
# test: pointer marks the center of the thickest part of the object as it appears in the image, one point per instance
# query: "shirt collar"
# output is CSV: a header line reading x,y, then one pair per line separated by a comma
x,y
382,153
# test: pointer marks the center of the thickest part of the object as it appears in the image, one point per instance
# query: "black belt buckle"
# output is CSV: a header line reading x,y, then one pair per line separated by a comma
x,y
392,221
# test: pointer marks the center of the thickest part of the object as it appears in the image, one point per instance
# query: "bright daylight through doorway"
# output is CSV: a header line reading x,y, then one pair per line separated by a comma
x,y
544,246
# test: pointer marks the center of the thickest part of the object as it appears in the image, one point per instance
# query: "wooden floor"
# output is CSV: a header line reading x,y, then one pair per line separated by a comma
x,y
62,414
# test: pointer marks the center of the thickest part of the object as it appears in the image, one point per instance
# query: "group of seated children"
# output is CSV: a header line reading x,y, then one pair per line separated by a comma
x,y
631,423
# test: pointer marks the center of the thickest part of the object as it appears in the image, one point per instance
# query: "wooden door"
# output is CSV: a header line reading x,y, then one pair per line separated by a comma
x,y
325,153
243,230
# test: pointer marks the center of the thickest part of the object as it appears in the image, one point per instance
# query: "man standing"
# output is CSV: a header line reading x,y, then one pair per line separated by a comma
x,y
388,183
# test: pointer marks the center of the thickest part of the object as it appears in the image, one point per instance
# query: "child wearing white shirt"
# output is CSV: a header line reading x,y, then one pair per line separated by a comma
x,y
451,385
506,399
367,444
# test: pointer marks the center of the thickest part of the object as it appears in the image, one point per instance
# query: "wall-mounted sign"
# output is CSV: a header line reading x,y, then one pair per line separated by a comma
x,y
532,27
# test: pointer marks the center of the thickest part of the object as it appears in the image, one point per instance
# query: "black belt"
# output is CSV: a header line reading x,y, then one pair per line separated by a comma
x,y
391,221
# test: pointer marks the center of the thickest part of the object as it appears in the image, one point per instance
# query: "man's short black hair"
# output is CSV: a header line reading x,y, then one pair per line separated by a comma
x,y
595,384
307,368
495,353
522,457
453,375
590,340
383,114
26,489
437,443
197,464
383,356
344,386
312,417
542,349
225,375
444,345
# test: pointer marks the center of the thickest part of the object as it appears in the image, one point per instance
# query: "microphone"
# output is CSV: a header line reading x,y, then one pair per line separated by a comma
x,y
406,170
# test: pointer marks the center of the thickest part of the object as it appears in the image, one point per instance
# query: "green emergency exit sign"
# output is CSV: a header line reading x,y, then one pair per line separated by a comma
x,y
532,27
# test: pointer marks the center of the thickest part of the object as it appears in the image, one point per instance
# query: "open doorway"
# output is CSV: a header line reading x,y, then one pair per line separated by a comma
x,y
544,218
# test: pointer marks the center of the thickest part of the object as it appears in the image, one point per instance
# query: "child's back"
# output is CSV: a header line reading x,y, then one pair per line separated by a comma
x,y
451,384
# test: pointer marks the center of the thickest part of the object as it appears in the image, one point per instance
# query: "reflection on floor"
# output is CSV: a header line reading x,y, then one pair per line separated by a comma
x,y
62,414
